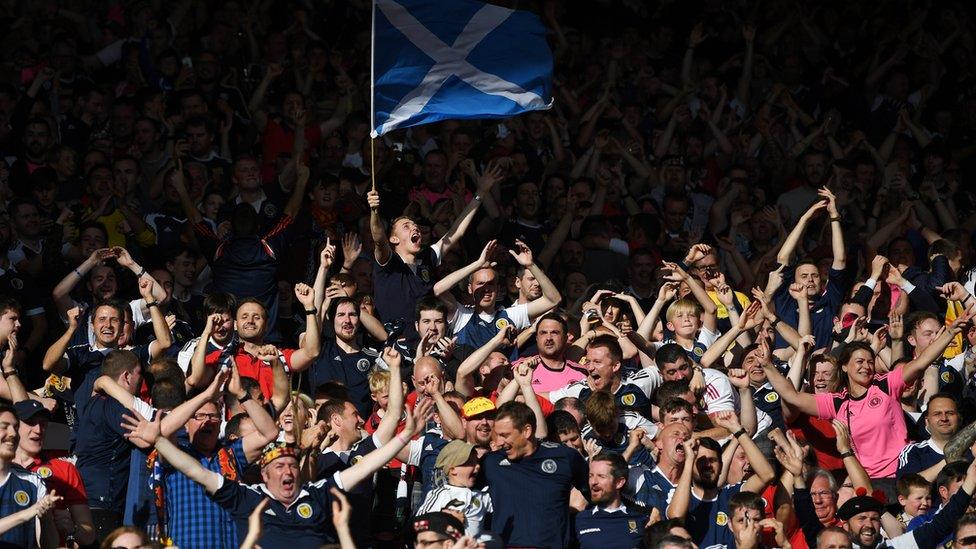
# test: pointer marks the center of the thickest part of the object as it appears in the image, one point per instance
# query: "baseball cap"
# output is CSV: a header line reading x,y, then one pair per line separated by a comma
x,y
440,523
456,452
477,406
26,409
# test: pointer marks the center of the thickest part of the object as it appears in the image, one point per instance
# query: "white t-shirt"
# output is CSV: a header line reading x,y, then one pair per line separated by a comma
x,y
475,504
517,314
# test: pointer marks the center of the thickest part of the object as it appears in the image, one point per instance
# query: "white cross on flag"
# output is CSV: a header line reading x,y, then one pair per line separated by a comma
x,y
449,59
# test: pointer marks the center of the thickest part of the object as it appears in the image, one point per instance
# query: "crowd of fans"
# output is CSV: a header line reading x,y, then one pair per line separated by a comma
x,y
719,296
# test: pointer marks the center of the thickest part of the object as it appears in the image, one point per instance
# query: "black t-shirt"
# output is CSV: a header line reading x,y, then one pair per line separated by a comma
x,y
350,369
397,287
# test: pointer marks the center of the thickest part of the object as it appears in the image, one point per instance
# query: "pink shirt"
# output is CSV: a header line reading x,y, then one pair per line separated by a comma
x,y
876,422
545,380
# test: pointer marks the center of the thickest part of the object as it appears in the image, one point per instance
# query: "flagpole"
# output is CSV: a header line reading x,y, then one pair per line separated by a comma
x,y
372,96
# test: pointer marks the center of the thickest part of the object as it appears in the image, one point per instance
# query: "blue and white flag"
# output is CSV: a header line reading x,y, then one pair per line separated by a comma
x,y
448,59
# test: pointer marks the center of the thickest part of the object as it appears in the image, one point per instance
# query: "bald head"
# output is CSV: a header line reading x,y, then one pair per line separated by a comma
x,y
424,369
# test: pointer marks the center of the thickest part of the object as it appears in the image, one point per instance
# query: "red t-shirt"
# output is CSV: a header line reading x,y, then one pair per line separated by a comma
x,y
62,476
277,140
820,434
251,366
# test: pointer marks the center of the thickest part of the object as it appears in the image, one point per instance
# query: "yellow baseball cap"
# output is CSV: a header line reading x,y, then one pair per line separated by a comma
x,y
477,406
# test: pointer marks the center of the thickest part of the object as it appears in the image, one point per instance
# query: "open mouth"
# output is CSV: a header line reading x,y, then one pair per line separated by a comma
x,y
415,238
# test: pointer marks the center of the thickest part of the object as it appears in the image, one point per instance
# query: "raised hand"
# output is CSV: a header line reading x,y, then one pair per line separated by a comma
x,y
696,253
145,288
488,252
351,248
953,291
490,177
790,456
668,291
739,378
305,295
122,256
45,504
697,35
725,295
217,385
522,254
878,265
373,199
798,291
751,317
727,420
523,374
896,326
141,432
267,353
676,274
341,509
392,357
843,436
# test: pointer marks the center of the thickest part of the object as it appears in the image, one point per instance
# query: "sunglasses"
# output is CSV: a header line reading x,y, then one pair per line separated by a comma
x,y
968,540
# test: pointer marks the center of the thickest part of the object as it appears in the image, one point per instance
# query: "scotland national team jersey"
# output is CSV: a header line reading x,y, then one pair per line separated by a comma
x,y
475,329
18,491
531,495
628,395
305,523
601,528
350,369
708,520
653,489
626,422
918,457
397,286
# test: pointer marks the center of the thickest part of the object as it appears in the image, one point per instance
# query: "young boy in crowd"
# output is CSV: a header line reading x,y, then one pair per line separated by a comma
x,y
914,496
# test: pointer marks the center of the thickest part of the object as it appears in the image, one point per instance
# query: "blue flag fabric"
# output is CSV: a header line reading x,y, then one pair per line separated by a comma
x,y
450,59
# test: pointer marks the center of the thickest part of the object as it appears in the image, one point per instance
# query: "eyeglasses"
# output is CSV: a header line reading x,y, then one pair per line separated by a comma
x,y
822,494
206,417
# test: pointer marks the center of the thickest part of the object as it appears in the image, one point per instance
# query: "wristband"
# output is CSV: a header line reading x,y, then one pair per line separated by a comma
x,y
833,219
774,322
151,304
245,398
847,454
141,273
311,311
739,433
7,374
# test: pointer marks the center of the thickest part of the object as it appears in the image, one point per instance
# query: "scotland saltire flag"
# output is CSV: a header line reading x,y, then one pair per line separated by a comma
x,y
447,59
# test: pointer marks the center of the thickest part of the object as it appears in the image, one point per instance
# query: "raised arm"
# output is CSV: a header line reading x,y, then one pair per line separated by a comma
x,y
442,288
200,375
678,508
523,378
764,471
160,327
805,402
493,175
62,292
265,429
376,459
550,294
54,357
463,381
709,308
785,254
303,357
836,231
381,243
934,350
394,408
181,415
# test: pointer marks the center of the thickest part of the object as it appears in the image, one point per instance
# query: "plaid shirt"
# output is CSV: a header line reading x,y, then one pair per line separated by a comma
x,y
194,519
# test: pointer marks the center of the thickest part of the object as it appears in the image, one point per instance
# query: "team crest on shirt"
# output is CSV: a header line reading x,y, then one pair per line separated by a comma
x,y
632,525
44,472
501,324
698,350
549,466
304,510
946,377
721,519
628,400
269,209
362,365
874,402
21,498
17,283
771,397
425,275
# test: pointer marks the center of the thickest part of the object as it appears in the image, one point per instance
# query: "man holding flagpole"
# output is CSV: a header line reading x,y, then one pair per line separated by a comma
x,y
434,61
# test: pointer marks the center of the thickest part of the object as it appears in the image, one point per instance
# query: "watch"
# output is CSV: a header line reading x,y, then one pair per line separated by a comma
x,y
739,433
847,454
152,304
245,398
311,311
